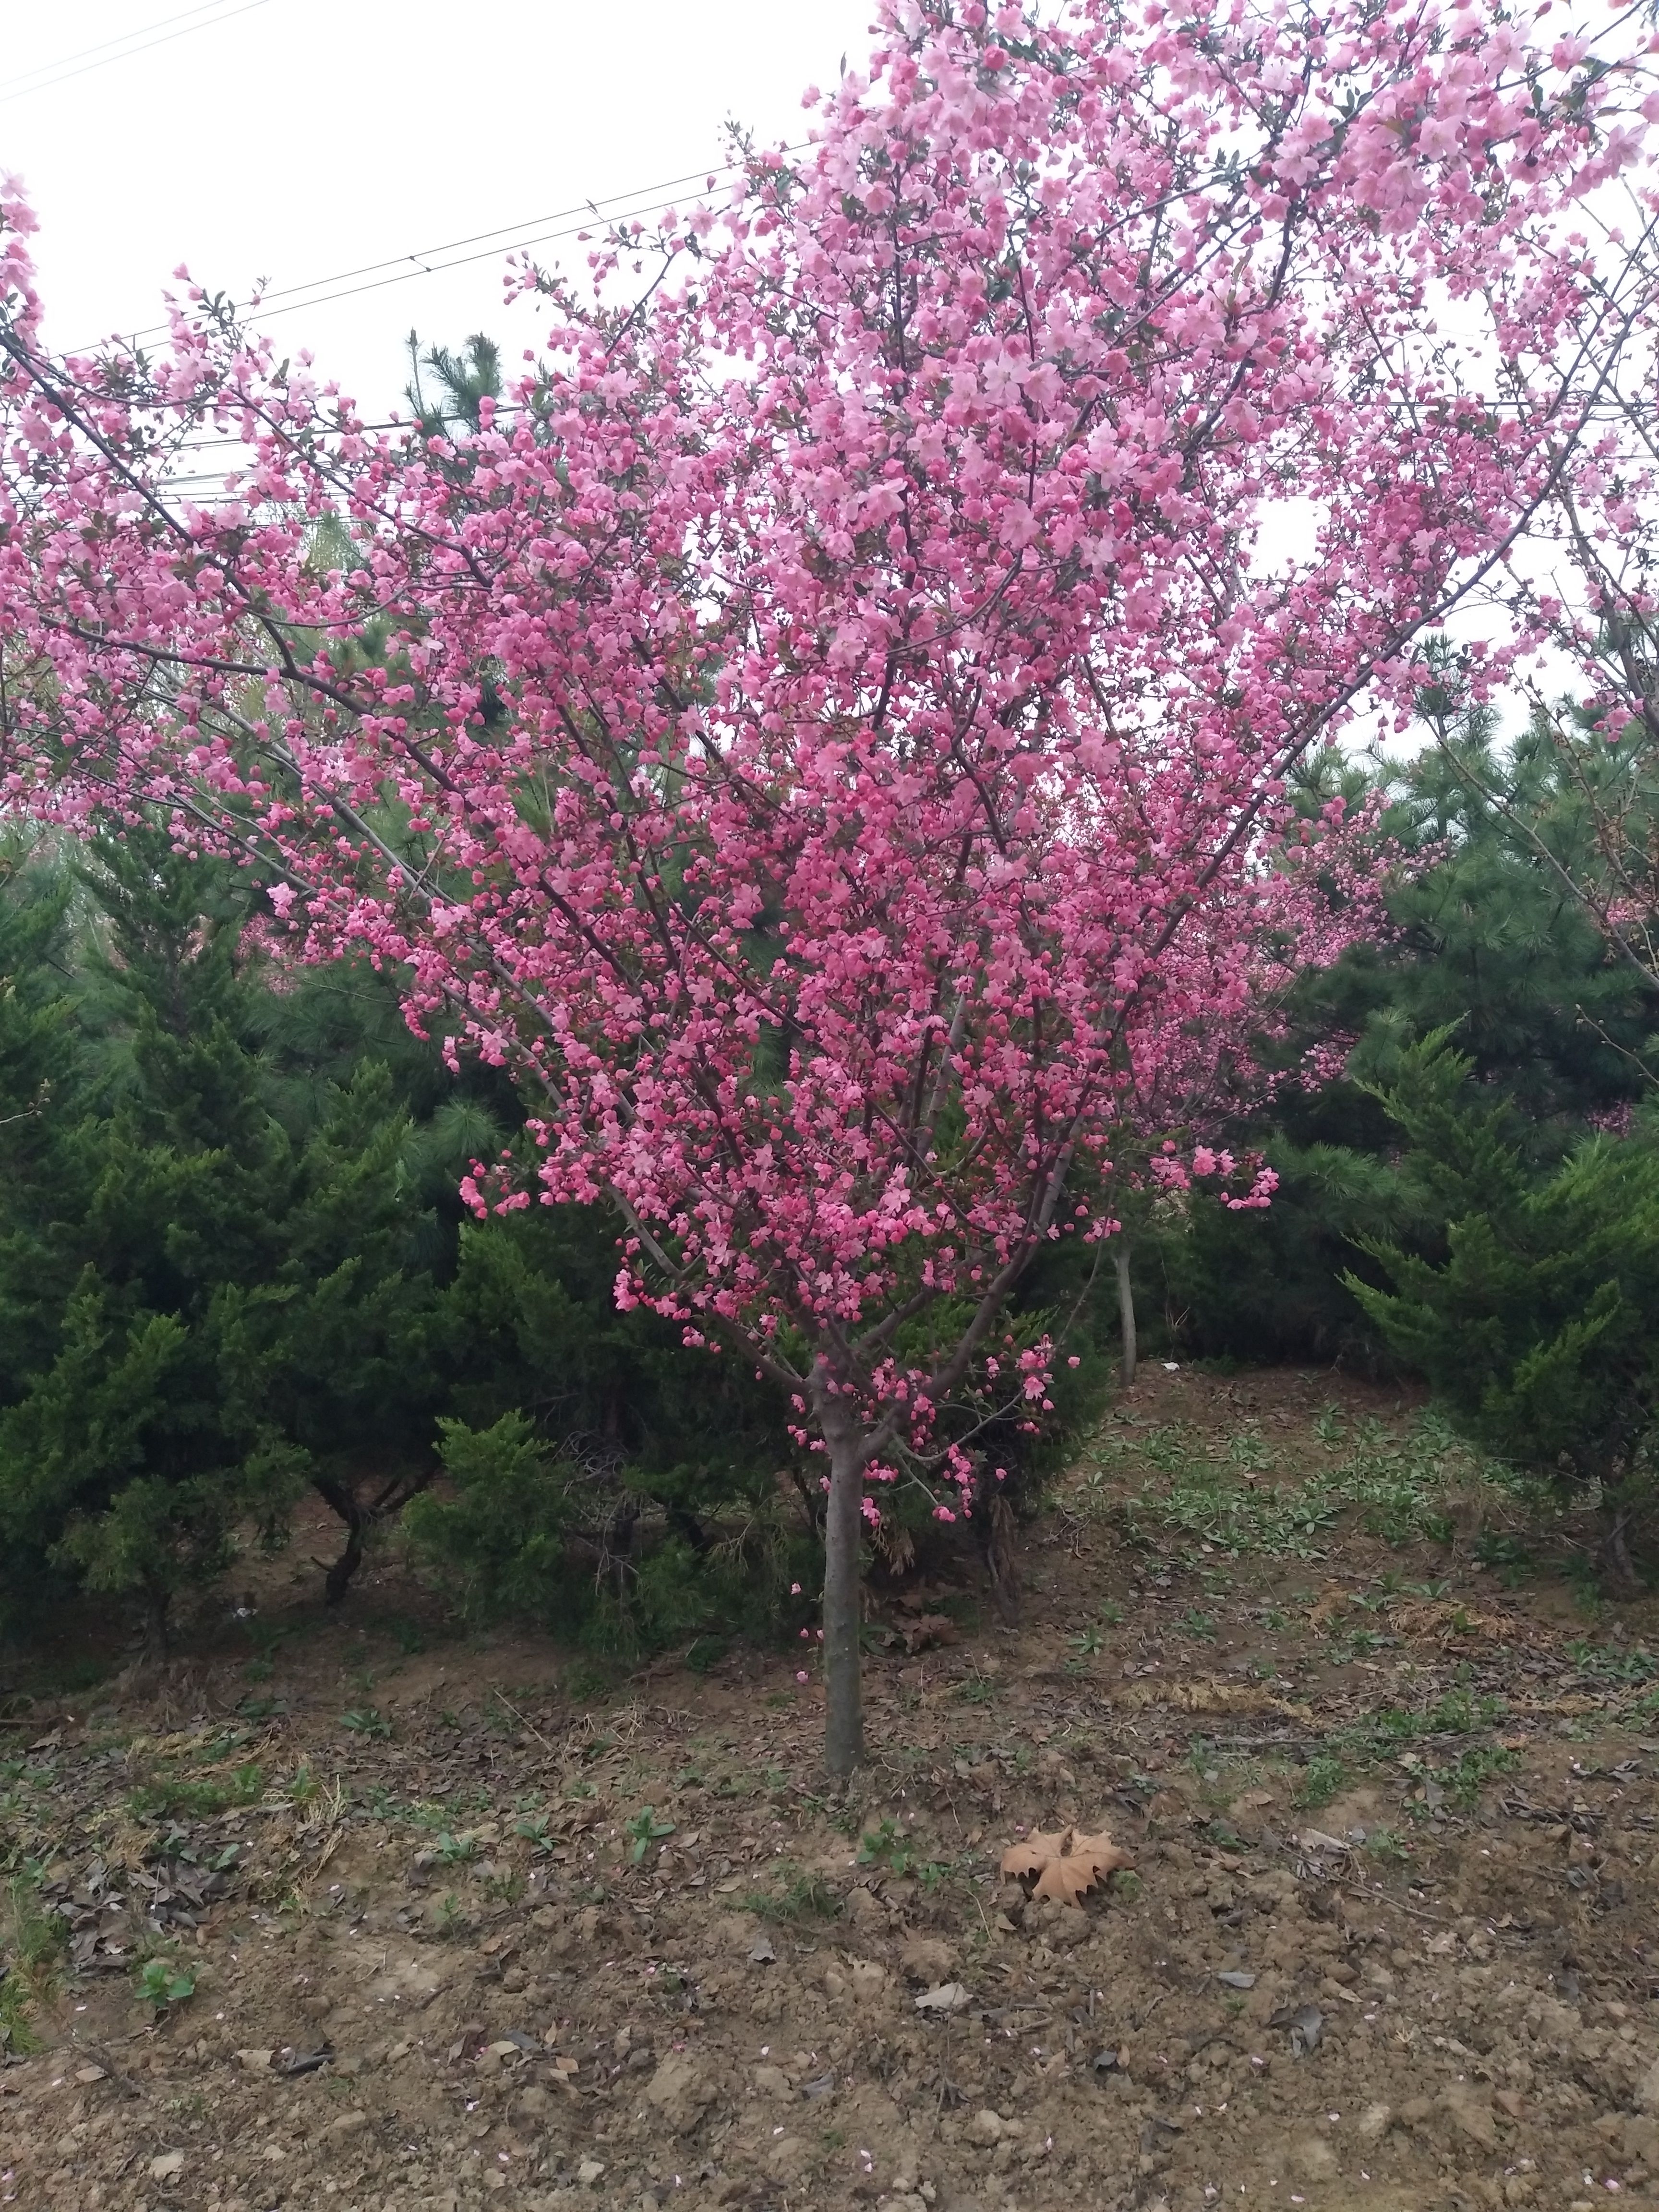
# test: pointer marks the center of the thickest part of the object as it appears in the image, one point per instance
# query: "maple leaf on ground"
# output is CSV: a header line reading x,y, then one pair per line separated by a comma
x,y
1064,1866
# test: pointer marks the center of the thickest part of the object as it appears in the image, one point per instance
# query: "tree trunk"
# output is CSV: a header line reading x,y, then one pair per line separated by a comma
x,y
843,1740
158,1603
999,1560
1126,1306
1618,1568
340,1500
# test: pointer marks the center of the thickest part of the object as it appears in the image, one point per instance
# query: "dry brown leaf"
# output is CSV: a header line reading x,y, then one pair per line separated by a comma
x,y
1332,1603
1212,1697
1450,1623
1066,1866
1024,1859
931,1628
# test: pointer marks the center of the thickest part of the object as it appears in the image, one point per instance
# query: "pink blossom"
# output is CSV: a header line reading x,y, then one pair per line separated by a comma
x,y
852,796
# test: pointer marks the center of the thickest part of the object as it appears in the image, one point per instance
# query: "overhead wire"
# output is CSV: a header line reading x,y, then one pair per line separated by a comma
x,y
48,73
429,261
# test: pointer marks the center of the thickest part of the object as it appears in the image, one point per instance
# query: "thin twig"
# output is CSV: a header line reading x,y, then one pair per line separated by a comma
x,y
520,1717
123,2082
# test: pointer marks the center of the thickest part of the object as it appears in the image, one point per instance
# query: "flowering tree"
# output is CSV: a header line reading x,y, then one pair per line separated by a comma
x,y
829,727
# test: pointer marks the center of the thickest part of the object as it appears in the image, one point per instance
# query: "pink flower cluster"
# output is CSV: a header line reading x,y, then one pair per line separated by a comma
x,y
828,734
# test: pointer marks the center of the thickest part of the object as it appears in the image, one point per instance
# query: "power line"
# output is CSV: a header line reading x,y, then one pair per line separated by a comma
x,y
60,71
428,261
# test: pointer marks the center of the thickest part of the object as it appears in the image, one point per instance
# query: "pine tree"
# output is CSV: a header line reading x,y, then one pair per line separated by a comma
x,y
1538,1324
215,1308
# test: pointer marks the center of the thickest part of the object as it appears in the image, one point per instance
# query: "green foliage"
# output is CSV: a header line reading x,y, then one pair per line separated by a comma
x,y
162,1983
183,1798
1323,1778
803,1897
1538,1323
495,1538
216,1277
644,1830
1395,1485
1483,942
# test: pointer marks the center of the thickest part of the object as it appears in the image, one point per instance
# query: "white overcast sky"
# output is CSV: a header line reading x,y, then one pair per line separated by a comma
x,y
290,140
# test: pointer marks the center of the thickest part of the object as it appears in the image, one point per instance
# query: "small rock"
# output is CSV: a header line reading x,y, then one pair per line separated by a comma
x,y
986,2127
87,2075
1236,1979
349,2124
788,2157
534,2103
864,1910
869,1981
1509,2101
545,1918
1374,2123
835,1984
254,2061
1415,2111
168,2166
590,2173
926,1960
761,1952
771,2081
1472,2113
680,2093
1313,2158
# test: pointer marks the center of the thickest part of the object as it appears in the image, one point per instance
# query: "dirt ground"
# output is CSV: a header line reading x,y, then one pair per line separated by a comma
x,y
428,1922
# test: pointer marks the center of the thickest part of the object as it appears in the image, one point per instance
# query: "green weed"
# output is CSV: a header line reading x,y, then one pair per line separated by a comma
x,y
179,1798
366,1720
888,1846
161,1984
1323,1778
644,1830
449,1918
805,1897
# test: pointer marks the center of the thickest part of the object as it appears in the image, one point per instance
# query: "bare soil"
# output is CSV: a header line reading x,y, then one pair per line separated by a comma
x,y
453,1922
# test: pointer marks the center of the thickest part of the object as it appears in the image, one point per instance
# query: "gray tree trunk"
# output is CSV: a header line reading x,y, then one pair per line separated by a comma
x,y
843,1744
1126,1304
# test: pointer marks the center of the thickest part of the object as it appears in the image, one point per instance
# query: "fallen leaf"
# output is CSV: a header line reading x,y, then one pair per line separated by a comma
x,y
932,1628
1064,1866
1022,1860
1316,1840
948,1996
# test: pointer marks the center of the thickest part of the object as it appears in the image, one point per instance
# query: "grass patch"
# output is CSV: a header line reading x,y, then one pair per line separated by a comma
x,y
804,1897
1237,1496
177,1798
1323,1778
36,1941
